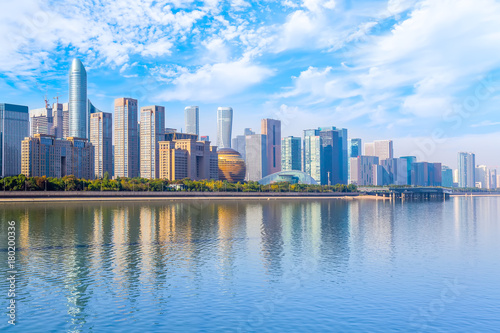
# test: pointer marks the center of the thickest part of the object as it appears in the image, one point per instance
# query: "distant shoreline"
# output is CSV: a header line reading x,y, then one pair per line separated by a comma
x,y
75,196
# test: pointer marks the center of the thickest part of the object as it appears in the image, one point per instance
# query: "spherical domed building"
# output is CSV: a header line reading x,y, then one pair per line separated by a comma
x,y
231,165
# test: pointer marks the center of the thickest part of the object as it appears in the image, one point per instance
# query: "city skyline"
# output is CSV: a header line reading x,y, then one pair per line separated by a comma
x,y
347,64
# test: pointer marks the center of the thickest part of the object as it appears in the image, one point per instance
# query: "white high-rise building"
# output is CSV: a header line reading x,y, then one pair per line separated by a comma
x,y
192,119
466,170
152,129
224,127
383,149
126,141
483,176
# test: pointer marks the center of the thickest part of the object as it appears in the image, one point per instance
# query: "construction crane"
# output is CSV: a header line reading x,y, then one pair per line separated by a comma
x,y
57,99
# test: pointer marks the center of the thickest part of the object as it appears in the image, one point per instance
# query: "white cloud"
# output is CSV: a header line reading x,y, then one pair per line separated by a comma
x,y
214,82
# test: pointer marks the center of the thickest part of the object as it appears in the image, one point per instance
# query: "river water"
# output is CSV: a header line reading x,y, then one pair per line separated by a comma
x,y
315,265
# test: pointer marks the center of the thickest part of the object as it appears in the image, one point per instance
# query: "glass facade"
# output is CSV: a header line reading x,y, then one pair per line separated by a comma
x,y
14,127
231,165
224,127
292,177
192,119
126,138
291,153
79,117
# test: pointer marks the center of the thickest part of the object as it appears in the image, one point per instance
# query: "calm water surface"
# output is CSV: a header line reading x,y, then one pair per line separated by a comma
x,y
280,265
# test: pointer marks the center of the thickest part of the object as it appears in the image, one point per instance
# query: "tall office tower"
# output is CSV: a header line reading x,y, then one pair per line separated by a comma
x,y
224,127
343,154
152,130
493,178
455,177
446,176
44,155
364,170
409,161
312,154
355,148
101,137
383,149
126,139
42,121
331,170
395,171
466,170
272,129
426,174
78,110
14,127
58,120
483,176
192,119
291,153
239,142
256,153
91,109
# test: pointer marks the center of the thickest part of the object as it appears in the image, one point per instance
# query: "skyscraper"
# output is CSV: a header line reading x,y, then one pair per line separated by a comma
x,y
42,121
466,170
483,176
355,148
291,153
256,152
409,161
426,174
446,176
152,130
396,171
101,137
383,149
126,138
192,119
312,154
272,129
331,165
239,142
364,170
224,127
79,117
14,127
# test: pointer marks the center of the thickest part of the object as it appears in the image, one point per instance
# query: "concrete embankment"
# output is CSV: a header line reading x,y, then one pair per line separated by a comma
x,y
27,196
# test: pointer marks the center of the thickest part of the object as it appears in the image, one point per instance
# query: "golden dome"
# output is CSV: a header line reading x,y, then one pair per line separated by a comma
x,y
231,165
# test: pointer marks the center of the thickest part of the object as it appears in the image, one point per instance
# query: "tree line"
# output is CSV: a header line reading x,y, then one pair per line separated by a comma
x,y
71,183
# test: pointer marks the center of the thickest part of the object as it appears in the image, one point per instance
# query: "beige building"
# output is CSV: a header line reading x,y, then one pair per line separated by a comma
x,y
188,158
126,138
383,149
152,129
44,155
101,137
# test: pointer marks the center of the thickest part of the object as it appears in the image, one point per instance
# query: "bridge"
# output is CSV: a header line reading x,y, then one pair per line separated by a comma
x,y
411,193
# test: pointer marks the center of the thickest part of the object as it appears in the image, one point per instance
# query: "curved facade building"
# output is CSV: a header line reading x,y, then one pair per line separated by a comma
x,y
192,119
224,127
231,165
293,177
79,117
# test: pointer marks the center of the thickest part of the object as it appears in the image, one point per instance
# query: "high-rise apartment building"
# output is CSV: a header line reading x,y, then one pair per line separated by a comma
x,y
383,149
126,138
44,155
272,129
493,179
291,153
101,137
79,117
41,121
466,170
152,132
14,127
224,127
192,119
312,154
256,154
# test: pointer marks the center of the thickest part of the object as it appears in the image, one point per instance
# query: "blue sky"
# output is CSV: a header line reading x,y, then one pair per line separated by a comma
x,y
423,73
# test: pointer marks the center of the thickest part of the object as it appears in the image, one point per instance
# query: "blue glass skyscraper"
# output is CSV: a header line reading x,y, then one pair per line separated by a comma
x,y
79,116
